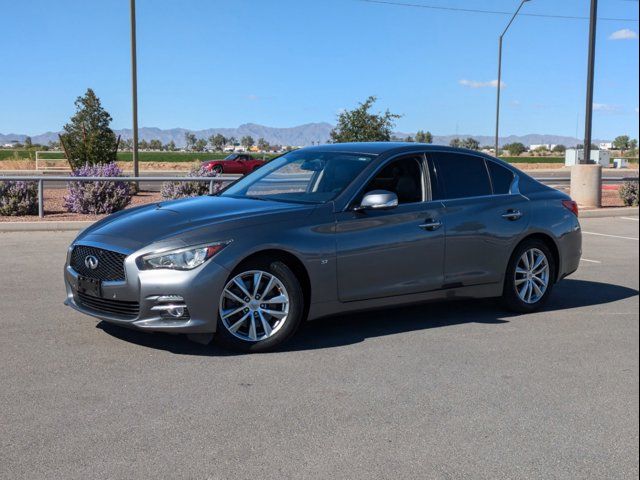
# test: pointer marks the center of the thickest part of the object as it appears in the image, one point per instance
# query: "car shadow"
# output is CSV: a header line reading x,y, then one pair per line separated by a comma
x,y
353,328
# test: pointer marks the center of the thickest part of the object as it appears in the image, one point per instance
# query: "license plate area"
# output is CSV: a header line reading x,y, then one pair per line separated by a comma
x,y
89,286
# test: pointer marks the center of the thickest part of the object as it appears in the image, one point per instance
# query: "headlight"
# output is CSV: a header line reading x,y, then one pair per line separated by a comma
x,y
182,258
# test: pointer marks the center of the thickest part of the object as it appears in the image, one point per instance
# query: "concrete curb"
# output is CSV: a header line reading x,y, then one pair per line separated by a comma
x,y
44,226
610,212
58,226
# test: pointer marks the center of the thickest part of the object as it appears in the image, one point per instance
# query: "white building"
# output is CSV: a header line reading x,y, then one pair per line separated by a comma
x,y
605,146
547,146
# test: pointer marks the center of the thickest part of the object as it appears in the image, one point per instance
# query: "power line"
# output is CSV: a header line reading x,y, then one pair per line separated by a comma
x,y
493,12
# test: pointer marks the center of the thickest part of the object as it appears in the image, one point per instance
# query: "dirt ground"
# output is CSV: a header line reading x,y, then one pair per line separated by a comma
x,y
55,211
186,166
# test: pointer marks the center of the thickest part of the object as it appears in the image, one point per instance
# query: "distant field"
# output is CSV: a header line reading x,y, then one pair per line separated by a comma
x,y
197,156
126,156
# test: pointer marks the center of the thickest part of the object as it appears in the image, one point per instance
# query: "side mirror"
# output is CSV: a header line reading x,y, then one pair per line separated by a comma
x,y
378,200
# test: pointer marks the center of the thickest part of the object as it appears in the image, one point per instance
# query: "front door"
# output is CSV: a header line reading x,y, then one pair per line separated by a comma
x,y
392,252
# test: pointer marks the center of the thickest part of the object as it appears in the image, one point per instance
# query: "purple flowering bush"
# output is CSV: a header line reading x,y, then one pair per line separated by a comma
x,y
97,197
173,190
18,198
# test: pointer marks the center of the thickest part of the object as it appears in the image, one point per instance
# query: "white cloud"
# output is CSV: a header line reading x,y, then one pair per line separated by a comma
x,y
476,84
606,107
624,34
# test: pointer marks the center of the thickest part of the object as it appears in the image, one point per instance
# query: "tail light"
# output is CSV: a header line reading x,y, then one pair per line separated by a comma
x,y
571,206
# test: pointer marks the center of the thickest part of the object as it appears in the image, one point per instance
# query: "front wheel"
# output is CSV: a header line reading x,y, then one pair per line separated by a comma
x,y
260,307
218,169
529,277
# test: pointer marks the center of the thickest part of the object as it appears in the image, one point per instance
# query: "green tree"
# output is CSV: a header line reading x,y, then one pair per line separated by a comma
x,y
247,142
424,137
217,141
621,143
143,145
559,149
87,137
263,145
171,146
633,147
409,139
232,141
515,149
456,142
200,145
155,144
470,143
359,125
28,143
190,140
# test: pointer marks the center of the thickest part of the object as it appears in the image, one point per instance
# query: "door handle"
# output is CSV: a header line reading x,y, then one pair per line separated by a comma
x,y
512,215
431,225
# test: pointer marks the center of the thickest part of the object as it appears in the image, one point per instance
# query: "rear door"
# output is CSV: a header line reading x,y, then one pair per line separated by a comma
x,y
391,252
484,216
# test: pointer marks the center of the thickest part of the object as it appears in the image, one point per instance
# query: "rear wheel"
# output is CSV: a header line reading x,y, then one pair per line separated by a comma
x,y
529,278
260,307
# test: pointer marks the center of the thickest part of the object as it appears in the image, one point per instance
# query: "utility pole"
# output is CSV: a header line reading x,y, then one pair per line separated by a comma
x,y
500,71
586,178
134,88
590,69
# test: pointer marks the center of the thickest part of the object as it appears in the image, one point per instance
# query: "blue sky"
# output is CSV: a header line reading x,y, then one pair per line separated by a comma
x,y
220,63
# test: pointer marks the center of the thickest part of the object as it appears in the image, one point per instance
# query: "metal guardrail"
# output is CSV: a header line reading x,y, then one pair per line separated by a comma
x,y
41,179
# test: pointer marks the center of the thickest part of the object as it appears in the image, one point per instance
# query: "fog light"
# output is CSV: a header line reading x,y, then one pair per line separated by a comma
x,y
170,307
175,311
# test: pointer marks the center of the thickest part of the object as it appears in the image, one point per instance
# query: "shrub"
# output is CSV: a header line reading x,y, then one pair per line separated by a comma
x,y
629,193
173,190
97,197
18,198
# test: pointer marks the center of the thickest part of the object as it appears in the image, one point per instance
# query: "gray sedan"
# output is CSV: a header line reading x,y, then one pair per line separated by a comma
x,y
325,230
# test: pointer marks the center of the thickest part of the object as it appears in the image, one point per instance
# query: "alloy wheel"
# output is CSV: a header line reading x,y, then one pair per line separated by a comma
x,y
254,305
532,276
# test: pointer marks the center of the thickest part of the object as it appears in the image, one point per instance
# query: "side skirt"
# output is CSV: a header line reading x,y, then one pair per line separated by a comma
x,y
320,310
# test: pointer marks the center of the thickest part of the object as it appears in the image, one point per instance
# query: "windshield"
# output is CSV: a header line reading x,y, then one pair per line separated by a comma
x,y
301,176
233,156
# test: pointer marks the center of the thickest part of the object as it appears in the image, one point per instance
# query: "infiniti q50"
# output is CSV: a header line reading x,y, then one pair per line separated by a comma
x,y
326,230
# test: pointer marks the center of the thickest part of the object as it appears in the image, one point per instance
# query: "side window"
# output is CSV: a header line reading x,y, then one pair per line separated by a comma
x,y
459,176
501,178
402,177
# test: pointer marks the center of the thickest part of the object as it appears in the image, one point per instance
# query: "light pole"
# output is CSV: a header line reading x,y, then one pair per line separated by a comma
x,y
500,71
134,88
590,68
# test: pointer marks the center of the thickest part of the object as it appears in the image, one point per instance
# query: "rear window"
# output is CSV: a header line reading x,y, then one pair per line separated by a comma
x,y
459,176
501,178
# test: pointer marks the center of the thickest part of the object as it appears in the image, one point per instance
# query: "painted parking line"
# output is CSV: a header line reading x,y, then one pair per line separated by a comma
x,y
635,219
611,236
590,261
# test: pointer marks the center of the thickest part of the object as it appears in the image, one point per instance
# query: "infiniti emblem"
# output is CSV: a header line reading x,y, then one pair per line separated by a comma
x,y
91,261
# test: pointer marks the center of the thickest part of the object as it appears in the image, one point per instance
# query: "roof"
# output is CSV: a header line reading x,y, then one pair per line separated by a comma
x,y
378,148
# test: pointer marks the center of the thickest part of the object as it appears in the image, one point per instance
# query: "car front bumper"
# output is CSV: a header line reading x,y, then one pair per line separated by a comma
x,y
143,291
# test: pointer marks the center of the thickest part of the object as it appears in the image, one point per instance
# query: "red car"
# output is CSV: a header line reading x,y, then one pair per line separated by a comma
x,y
241,163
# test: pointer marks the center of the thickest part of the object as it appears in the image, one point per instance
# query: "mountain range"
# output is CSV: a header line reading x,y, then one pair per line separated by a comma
x,y
300,135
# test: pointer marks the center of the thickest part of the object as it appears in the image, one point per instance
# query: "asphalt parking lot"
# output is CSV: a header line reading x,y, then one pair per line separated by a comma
x,y
450,390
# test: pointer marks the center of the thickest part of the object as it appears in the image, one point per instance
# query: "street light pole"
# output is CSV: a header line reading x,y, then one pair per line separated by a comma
x,y
500,72
134,87
590,69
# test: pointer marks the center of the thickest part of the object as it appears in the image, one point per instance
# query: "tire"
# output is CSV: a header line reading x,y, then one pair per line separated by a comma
x,y
218,169
252,329
516,295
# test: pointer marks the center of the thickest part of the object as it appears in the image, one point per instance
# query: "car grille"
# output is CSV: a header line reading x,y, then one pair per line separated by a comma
x,y
119,308
110,264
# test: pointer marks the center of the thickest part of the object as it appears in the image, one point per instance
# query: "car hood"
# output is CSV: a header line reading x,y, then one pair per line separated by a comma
x,y
176,221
